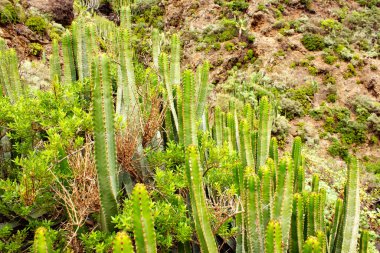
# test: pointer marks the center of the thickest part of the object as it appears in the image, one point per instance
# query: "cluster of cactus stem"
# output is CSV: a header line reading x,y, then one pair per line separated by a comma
x,y
10,81
276,213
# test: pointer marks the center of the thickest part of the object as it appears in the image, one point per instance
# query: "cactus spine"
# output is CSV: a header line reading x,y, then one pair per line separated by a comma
x,y
42,242
122,243
312,245
143,225
297,224
105,148
296,155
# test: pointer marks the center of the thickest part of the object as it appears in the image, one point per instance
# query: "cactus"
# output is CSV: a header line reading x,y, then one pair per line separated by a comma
x,y
126,18
201,90
273,243
163,62
175,69
315,183
363,246
297,224
10,77
312,245
122,243
335,225
296,155
263,132
189,124
105,150
194,174
246,145
273,150
143,225
349,227
68,59
266,194
218,126
42,242
252,215
287,202
55,66
156,48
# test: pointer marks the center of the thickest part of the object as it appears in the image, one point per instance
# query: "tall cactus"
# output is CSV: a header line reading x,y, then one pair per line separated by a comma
x,y
312,245
175,69
143,225
189,124
55,65
363,246
156,41
252,214
297,236
68,59
263,132
42,242
194,174
296,155
273,239
201,90
347,238
105,148
122,243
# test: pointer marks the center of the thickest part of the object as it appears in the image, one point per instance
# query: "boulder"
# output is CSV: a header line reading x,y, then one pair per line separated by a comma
x,y
61,11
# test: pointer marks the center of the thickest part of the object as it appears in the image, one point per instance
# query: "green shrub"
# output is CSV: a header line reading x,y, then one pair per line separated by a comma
x,y
329,58
313,42
35,49
36,24
237,5
8,14
229,46
331,24
306,3
344,52
350,72
337,149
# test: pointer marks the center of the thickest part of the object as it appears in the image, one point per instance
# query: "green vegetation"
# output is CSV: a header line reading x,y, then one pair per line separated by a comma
x,y
128,149
8,14
313,42
37,24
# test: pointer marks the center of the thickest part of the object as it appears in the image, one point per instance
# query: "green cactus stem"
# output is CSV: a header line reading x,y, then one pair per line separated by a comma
x,y
143,225
273,243
122,243
42,242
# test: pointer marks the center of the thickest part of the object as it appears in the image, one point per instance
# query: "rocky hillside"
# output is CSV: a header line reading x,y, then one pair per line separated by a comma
x,y
318,60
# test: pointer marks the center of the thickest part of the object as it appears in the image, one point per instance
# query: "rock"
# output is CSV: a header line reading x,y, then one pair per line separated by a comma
x,y
61,11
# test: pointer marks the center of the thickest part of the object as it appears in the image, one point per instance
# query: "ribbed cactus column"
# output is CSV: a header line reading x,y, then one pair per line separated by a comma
x,y
55,65
156,50
347,238
143,225
338,214
312,245
122,243
297,227
273,238
42,242
296,155
105,148
202,90
69,70
253,215
194,174
264,132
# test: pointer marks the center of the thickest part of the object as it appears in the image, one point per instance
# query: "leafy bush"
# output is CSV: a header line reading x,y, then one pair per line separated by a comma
x,y
291,108
8,14
313,42
337,149
37,24
237,5
35,49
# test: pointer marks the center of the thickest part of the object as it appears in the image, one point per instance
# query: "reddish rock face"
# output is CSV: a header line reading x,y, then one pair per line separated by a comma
x,y
61,11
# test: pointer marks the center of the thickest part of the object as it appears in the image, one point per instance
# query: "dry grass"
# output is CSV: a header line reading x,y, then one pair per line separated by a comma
x,y
81,196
